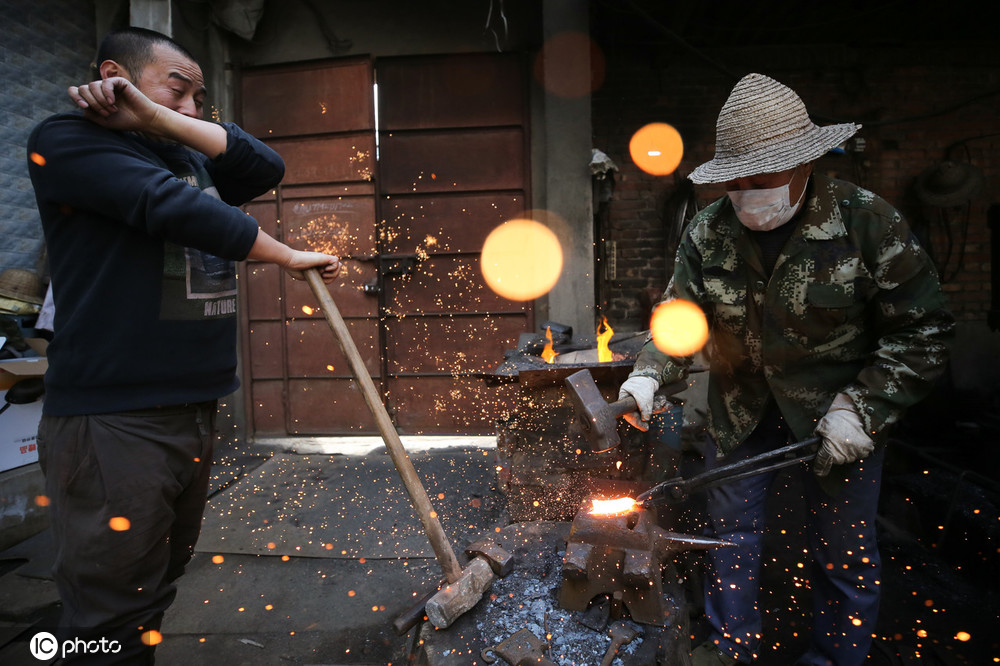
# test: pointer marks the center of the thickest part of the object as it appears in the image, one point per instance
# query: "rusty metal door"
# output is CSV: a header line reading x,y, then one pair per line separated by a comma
x,y
320,118
409,225
453,165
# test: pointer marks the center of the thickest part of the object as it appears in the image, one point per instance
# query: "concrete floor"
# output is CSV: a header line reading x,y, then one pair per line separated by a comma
x,y
306,557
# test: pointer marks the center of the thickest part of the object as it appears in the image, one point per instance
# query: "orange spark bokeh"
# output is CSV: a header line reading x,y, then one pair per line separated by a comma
x,y
679,327
657,149
521,259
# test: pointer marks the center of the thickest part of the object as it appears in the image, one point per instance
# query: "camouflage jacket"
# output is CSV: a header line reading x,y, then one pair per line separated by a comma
x,y
853,305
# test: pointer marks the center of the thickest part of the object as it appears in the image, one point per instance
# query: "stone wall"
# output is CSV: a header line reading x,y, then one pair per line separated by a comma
x,y
45,46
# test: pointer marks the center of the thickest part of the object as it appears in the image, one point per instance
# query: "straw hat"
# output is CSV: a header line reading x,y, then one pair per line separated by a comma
x,y
949,184
763,128
21,284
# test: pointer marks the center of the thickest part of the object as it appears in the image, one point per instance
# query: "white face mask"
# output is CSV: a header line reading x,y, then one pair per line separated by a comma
x,y
763,210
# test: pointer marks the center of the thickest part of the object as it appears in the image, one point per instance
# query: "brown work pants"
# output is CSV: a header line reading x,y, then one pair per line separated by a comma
x,y
127,493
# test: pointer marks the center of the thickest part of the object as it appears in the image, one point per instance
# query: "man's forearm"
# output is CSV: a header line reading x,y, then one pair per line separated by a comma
x,y
206,137
269,250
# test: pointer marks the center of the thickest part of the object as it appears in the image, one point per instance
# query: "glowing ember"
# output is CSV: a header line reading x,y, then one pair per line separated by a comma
x,y
119,524
613,506
308,310
603,351
548,355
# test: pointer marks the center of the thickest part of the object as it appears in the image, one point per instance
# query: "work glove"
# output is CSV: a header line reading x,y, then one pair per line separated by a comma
x,y
642,389
844,436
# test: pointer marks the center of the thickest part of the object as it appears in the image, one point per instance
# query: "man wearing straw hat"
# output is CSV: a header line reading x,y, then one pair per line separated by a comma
x,y
826,318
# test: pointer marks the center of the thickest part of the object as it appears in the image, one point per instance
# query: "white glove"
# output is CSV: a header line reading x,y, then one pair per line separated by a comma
x,y
844,436
642,389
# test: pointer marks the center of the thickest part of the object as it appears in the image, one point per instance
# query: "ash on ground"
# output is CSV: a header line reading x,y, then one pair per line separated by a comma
x,y
528,598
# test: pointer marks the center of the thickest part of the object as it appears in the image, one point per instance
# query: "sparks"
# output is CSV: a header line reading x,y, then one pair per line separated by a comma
x,y
119,524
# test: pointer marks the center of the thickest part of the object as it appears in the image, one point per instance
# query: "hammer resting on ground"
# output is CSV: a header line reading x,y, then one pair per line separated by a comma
x,y
464,587
443,606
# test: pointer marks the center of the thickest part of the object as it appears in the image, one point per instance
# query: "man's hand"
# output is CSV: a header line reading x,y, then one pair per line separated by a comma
x,y
844,436
327,264
117,104
294,262
642,389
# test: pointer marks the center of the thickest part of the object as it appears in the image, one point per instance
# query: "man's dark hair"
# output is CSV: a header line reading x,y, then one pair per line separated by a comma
x,y
132,48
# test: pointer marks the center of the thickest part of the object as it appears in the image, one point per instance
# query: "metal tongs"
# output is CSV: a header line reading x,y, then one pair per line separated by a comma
x,y
676,490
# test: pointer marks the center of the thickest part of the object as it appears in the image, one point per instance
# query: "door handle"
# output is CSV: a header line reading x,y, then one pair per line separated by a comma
x,y
388,264
397,264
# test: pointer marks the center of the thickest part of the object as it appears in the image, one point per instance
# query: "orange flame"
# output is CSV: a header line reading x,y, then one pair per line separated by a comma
x,y
613,506
603,351
548,354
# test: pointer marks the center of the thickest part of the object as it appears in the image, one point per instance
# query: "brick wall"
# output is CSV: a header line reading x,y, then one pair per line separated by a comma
x,y
919,106
45,46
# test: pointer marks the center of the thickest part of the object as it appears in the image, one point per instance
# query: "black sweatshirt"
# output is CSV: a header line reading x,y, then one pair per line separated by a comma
x,y
141,239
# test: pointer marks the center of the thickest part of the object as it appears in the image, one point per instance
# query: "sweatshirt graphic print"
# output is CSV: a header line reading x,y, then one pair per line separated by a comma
x,y
196,284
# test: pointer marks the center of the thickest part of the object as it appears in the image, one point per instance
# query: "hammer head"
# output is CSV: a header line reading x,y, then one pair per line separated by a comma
x,y
596,419
501,561
459,596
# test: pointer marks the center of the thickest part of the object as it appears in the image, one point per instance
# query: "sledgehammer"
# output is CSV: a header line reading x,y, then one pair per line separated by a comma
x,y
464,587
598,418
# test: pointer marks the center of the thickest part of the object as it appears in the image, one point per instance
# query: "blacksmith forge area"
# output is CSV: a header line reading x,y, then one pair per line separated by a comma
x,y
545,466
627,584
280,595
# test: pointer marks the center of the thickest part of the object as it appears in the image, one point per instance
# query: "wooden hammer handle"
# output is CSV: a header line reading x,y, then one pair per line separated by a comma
x,y
421,502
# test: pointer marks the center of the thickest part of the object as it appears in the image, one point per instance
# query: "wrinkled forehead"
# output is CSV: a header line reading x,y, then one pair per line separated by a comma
x,y
171,63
